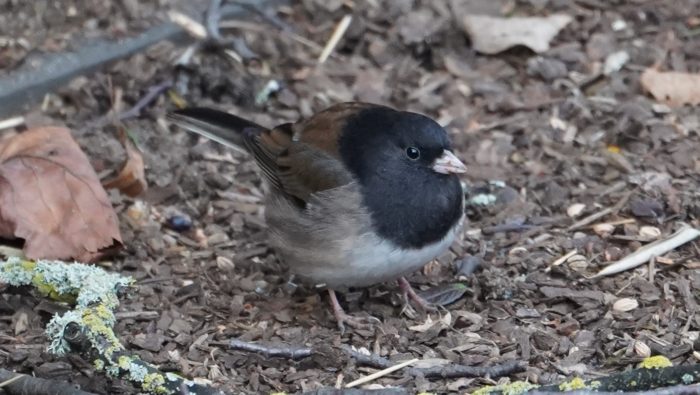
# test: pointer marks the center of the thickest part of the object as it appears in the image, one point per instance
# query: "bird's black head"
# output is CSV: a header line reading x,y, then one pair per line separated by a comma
x,y
404,163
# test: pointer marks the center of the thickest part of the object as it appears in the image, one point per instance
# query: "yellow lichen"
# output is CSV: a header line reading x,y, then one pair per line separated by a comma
x,y
514,388
99,364
124,362
576,383
655,362
154,382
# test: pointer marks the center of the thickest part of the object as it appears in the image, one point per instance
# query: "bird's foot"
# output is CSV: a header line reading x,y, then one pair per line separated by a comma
x,y
410,295
342,318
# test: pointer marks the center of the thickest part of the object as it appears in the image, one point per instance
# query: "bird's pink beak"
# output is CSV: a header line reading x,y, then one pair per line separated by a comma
x,y
448,163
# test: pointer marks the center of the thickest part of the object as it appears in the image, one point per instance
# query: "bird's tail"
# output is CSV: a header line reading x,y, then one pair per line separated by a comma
x,y
219,126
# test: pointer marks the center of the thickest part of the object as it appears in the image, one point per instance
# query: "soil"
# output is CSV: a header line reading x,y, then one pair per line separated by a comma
x,y
539,136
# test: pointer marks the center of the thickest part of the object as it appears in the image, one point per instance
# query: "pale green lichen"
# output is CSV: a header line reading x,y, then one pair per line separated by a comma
x,y
94,291
482,199
655,362
16,272
688,379
84,284
514,388
576,383
55,328
595,384
137,372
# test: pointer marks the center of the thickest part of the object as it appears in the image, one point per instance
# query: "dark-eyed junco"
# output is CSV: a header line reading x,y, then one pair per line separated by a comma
x,y
358,194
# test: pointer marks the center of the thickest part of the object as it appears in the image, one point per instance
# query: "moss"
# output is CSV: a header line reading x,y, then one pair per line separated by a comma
x,y
576,383
655,362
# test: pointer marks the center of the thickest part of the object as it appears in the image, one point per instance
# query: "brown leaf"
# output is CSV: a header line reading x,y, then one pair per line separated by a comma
x,y
131,179
51,197
674,89
491,35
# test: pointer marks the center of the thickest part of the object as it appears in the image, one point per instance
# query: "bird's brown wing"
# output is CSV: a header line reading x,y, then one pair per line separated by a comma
x,y
298,159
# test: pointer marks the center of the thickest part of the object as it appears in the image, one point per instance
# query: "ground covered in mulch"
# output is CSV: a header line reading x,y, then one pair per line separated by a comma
x,y
545,143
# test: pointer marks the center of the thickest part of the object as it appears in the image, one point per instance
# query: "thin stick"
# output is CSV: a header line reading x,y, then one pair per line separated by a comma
x,y
381,373
11,122
600,214
591,218
616,223
235,24
194,28
562,259
657,248
10,381
338,33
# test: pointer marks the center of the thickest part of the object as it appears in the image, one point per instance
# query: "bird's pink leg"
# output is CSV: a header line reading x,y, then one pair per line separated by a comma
x,y
343,318
410,293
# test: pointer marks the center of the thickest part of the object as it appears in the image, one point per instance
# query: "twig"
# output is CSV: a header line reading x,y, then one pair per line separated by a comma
x,y
22,384
265,14
87,329
600,214
293,353
194,28
616,223
381,373
11,122
236,24
148,98
11,380
212,20
562,259
657,248
675,390
379,362
590,219
338,33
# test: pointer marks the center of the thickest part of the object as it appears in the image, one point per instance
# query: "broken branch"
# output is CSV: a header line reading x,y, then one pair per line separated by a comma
x,y
379,362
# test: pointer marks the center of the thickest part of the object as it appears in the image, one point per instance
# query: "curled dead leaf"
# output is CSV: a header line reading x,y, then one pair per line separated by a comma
x,y
131,179
672,88
491,35
51,197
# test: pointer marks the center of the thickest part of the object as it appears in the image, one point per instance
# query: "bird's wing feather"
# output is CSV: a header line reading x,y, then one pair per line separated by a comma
x,y
297,165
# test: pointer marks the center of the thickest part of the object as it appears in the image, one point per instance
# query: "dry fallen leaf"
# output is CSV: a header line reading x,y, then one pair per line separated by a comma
x,y
51,197
131,179
672,88
491,35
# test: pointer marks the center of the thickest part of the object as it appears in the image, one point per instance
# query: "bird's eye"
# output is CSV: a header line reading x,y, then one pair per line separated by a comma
x,y
413,153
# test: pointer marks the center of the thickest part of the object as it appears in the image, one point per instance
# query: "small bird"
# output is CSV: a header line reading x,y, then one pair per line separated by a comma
x,y
358,194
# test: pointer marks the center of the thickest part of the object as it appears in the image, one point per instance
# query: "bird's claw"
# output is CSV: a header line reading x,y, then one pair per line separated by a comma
x,y
367,323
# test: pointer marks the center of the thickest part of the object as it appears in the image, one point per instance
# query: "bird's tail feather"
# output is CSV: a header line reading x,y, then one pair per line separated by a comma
x,y
219,126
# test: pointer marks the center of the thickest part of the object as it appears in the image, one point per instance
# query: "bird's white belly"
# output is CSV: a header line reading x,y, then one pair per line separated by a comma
x,y
372,260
